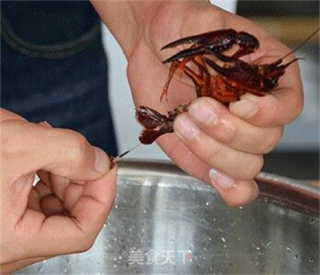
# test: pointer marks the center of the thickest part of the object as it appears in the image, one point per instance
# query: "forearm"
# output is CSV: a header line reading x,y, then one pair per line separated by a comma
x,y
126,19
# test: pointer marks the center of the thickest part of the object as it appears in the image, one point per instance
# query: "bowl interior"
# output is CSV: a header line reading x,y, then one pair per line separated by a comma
x,y
165,222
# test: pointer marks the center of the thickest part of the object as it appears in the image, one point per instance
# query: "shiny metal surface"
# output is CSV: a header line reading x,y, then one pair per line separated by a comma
x,y
161,212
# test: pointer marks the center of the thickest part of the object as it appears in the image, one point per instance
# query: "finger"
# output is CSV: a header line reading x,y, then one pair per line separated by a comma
x,y
239,165
233,192
62,152
240,192
285,103
43,189
63,193
44,200
60,234
56,183
9,268
217,122
94,206
276,109
51,205
73,194
44,176
34,200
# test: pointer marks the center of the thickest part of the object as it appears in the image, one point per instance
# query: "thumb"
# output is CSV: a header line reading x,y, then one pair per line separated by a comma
x,y
63,152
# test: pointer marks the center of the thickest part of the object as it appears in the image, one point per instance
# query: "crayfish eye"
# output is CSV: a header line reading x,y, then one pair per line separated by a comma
x,y
274,82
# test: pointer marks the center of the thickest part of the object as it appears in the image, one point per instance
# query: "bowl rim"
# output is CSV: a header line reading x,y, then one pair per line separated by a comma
x,y
289,193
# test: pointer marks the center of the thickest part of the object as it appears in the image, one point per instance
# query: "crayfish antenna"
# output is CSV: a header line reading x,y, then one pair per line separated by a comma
x,y
302,44
117,158
292,61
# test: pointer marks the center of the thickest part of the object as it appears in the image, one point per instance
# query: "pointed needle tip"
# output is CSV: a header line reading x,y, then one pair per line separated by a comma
x,y
120,156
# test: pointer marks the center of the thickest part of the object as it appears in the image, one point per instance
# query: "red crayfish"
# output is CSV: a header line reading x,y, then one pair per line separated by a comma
x,y
231,80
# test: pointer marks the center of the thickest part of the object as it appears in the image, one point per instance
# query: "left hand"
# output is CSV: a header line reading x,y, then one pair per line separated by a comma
x,y
211,136
66,209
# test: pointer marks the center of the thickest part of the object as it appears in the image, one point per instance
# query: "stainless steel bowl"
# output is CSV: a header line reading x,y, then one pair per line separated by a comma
x,y
165,222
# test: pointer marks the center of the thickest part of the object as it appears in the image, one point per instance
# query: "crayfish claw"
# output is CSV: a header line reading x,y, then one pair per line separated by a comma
x,y
186,40
185,53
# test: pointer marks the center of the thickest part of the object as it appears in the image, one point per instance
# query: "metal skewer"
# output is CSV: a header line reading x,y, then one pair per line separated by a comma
x,y
119,157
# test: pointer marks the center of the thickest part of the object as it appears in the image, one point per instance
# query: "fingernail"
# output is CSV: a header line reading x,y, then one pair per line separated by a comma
x,y
244,108
45,123
185,127
101,162
221,179
203,112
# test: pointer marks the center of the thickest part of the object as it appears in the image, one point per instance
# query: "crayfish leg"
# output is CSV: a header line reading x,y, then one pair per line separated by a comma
x,y
223,92
201,80
176,65
187,56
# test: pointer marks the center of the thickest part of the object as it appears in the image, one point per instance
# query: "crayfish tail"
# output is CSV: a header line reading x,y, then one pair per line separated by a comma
x,y
148,136
149,118
153,123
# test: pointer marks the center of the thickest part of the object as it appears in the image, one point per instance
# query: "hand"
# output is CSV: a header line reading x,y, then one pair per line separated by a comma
x,y
67,208
233,141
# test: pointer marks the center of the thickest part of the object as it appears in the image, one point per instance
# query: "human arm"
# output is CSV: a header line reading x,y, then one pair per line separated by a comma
x,y
235,143
67,208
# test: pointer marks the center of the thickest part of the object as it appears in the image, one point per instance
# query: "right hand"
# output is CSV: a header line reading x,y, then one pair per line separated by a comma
x,y
226,152
67,208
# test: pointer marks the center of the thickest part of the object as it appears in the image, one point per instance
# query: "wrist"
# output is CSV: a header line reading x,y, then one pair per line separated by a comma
x,y
127,20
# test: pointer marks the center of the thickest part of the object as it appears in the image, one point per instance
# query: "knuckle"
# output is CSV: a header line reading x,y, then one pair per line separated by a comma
x,y
214,153
206,149
230,132
84,239
258,166
254,168
85,242
297,104
217,150
78,148
271,141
